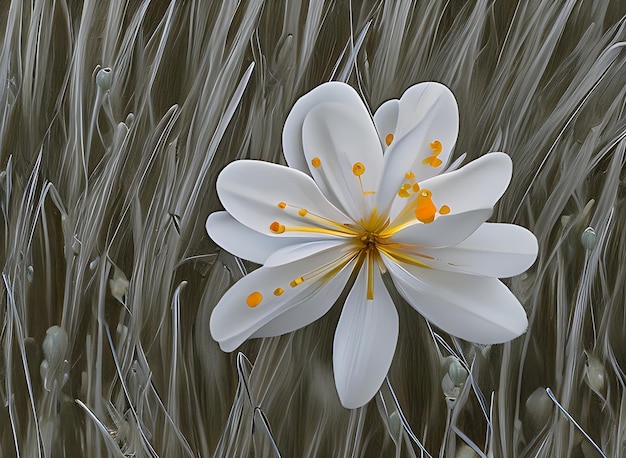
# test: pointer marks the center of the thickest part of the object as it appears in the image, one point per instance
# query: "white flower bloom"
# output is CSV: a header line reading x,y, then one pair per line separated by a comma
x,y
369,197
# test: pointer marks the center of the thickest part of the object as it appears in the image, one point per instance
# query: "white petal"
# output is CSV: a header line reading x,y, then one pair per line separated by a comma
x,y
295,252
244,242
427,112
365,341
493,250
251,191
335,92
477,309
386,121
342,140
446,230
309,310
233,320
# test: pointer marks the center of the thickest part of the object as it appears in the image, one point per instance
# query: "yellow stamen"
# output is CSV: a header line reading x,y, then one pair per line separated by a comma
x,y
282,205
370,276
296,281
388,139
277,228
278,292
302,212
254,299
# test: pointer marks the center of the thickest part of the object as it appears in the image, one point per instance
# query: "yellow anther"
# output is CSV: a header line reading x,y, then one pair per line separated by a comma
x,y
424,207
433,161
296,281
282,205
436,146
444,210
302,212
409,176
316,162
403,193
254,299
278,292
358,169
416,187
277,228
388,139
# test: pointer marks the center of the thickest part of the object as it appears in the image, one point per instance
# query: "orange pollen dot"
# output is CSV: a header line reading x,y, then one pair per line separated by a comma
x,y
254,299
444,210
403,193
302,212
278,292
406,186
282,205
277,228
316,162
388,139
296,281
358,169
416,187
409,176
436,146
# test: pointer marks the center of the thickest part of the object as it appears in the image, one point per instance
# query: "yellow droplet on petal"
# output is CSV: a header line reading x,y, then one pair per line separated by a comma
x,y
296,281
316,162
277,228
358,169
254,299
302,212
436,146
424,207
388,139
278,292
433,161
403,193
406,186
416,187
409,176
444,210
282,205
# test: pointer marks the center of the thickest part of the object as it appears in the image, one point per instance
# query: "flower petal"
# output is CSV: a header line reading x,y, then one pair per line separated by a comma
x,y
365,341
297,251
244,242
341,144
477,309
444,231
493,250
258,193
309,310
335,92
268,292
426,113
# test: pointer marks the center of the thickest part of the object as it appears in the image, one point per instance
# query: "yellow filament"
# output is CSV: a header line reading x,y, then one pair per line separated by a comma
x,y
316,162
388,139
370,276
278,292
397,255
254,299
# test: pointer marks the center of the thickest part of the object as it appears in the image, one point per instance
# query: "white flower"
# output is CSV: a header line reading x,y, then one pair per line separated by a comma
x,y
369,198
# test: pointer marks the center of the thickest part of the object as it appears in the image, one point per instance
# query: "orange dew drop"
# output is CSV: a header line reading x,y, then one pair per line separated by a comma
x,y
444,210
416,187
254,299
358,169
302,212
403,193
425,209
436,146
406,186
388,139
409,176
278,292
316,162
282,205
